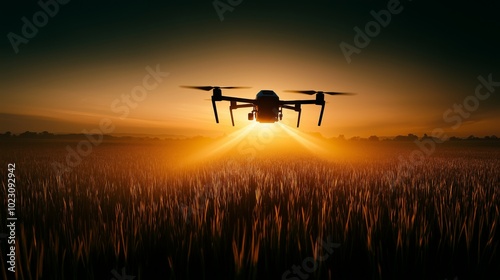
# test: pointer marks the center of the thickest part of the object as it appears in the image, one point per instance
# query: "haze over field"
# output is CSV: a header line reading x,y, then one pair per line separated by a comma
x,y
84,64
195,209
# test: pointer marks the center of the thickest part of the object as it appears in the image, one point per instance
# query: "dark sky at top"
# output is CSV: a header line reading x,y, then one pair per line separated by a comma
x,y
463,31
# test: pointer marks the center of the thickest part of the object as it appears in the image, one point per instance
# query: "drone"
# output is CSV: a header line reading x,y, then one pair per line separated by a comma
x,y
267,106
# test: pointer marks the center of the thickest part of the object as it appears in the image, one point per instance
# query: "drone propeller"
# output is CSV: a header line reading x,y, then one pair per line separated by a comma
x,y
207,88
320,99
312,92
216,96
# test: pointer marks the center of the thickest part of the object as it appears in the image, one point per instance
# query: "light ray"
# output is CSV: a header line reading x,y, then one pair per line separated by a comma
x,y
305,140
221,146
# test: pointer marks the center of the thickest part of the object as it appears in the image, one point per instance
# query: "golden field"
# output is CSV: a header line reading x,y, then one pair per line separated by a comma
x,y
172,209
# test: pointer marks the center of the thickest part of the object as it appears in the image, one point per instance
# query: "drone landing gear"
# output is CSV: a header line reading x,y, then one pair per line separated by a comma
x,y
234,105
215,111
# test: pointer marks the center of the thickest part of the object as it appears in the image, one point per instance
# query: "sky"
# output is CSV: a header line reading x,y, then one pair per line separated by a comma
x,y
85,63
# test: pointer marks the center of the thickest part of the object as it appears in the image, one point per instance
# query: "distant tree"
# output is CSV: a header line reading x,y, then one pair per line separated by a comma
x,y
373,138
410,137
28,134
399,138
341,137
6,134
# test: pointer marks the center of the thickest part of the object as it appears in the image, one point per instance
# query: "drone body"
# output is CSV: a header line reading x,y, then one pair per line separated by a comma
x,y
267,106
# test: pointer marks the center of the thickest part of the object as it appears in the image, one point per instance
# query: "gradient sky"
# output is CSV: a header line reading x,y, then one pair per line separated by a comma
x,y
89,54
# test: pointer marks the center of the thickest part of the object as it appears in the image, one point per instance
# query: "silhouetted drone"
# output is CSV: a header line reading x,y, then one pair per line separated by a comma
x,y
267,107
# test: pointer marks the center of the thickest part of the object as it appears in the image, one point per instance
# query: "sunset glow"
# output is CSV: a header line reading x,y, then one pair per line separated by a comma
x,y
238,139
69,90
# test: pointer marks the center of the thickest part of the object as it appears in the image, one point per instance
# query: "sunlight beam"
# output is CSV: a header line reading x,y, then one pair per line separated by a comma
x,y
305,140
220,146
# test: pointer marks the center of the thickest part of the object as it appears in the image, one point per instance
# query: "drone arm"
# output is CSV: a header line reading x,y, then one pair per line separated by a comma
x,y
296,102
296,108
321,113
231,112
298,119
286,104
237,99
234,105
215,110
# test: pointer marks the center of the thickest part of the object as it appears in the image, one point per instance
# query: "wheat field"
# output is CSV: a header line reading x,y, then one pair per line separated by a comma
x,y
135,205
